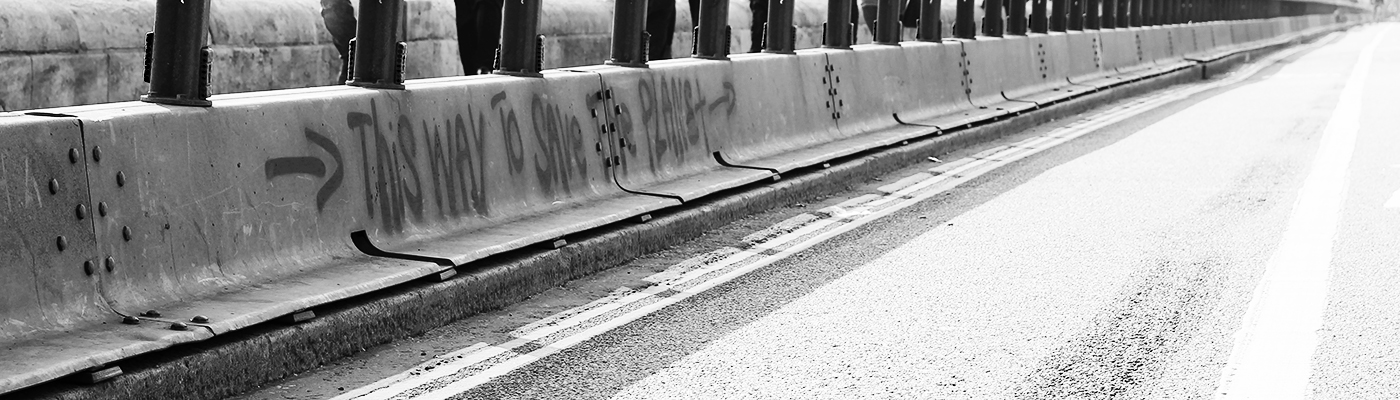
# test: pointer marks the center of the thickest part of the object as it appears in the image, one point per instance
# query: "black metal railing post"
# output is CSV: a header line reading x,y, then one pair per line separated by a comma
x,y
1039,21
1135,17
629,34
1016,17
1108,18
965,27
779,33
1149,14
887,26
1058,15
712,36
992,22
837,34
930,21
1124,18
377,53
521,45
1076,16
1091,14
177,61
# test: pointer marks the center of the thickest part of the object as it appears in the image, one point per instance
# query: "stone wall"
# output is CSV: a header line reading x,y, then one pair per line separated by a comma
x,y
69,52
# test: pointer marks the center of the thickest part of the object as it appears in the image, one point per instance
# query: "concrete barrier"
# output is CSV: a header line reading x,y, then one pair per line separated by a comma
x,y
271,203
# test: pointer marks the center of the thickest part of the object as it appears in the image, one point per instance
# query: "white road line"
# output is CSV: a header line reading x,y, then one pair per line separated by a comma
x,y
861,208
1272,357
1394,201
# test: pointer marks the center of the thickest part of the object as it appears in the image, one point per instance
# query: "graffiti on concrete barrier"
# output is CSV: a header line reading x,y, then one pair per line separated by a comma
x,y
675,113
313,166
415,168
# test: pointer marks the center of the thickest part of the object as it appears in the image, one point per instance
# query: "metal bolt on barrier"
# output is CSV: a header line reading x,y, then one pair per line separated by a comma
x,y
151,314
378,55
520,43
178,70
96,154
62,243
88,268
53,186
200,319
131,320
74,155
178,326
121,179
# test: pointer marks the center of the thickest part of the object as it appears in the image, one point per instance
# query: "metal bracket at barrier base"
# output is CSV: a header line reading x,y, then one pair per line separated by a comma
x,y
719,158
902,122
365,245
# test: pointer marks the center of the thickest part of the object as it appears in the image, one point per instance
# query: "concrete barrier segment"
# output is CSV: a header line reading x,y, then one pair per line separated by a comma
x,y
998,65
1050,68
786,112
666,123
937,87
48,252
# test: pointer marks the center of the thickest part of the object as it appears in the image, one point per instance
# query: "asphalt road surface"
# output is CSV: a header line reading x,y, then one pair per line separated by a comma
x,y
1237,238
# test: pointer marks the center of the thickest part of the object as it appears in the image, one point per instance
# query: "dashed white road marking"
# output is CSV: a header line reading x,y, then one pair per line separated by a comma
x,y
734,263
1272,356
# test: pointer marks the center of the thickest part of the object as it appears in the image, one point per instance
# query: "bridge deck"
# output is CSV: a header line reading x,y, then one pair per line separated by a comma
x,y
1244,224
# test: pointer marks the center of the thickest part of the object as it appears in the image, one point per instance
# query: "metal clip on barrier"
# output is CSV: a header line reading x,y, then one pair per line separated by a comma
x,y
1016,18
965,27
712,39
930,21
992,24
177,61
629,34
521,46
837,29
378,56
778,32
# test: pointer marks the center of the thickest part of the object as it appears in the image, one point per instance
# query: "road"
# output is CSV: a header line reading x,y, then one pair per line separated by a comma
x,y
1230,239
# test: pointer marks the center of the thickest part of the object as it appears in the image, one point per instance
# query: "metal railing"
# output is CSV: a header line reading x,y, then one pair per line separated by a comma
x,y
178,62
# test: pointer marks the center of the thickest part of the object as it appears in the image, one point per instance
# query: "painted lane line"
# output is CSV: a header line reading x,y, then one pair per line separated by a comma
x,y
393,386
1272,356
854,208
